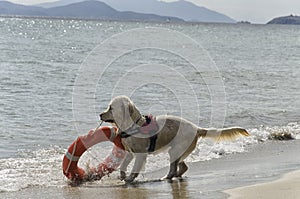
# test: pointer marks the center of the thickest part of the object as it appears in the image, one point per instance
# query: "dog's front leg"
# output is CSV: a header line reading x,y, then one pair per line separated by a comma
x,y
140,160
124,165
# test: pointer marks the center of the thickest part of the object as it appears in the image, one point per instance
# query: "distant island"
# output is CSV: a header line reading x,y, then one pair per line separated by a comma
x,y
244,22
292,20
120,10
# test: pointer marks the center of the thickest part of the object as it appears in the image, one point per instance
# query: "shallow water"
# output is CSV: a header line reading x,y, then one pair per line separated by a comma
x,y
54,84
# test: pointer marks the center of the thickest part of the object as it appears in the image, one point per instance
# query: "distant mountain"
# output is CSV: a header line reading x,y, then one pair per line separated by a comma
x,y
86,9
58,3
7,8
181,9
293,20
100,10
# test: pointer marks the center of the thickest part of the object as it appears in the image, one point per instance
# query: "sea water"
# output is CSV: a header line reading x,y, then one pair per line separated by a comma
x,y
56,76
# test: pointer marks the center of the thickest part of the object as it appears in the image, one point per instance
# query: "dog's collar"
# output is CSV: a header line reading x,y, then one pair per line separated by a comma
x,y
142,120
146,124
149,127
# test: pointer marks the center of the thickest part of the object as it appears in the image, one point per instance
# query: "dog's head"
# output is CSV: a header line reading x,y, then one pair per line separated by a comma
x,y
122,112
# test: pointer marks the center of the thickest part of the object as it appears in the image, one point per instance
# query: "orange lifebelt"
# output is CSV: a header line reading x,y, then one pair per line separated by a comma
x,y
82,143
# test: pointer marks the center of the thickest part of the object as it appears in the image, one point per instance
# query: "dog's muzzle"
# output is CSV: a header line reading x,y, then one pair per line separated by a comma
x,y
105,120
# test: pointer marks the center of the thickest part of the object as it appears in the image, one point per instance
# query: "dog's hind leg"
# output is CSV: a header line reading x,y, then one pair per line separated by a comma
x,y
173,170
124,165
182,169
140,160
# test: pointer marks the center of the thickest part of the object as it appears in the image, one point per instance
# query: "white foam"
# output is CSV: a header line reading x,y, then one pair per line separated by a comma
x,y
292,130
39,168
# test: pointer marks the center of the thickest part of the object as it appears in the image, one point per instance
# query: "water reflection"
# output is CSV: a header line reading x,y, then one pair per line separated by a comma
x,y
175,189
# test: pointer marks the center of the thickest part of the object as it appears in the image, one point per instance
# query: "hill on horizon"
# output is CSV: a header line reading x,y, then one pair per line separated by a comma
x,y
85,10
286,20
179,9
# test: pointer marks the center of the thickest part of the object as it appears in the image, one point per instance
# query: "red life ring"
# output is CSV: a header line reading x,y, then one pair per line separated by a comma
x,y
82,143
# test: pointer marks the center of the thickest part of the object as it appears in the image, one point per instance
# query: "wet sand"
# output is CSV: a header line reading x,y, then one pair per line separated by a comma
x,y
261,163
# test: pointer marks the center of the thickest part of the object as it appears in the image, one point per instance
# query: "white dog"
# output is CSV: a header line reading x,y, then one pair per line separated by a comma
x,y
142,135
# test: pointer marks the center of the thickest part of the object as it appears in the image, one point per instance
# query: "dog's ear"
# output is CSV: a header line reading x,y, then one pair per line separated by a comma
x,y
131,108
134,113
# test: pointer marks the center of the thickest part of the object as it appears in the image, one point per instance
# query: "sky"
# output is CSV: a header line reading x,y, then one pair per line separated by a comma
x,y
255,11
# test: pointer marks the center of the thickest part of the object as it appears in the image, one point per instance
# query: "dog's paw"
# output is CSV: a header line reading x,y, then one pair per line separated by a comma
x,y
122,175
128,179
169,177
131,177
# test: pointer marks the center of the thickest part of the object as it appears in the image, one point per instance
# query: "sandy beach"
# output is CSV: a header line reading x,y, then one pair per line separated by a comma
x,y
261,163
286,187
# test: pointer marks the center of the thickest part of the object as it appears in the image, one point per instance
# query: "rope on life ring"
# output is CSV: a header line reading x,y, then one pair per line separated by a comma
x,y
82,143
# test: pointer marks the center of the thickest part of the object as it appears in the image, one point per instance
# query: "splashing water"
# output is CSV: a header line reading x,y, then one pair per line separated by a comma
x,y
43,167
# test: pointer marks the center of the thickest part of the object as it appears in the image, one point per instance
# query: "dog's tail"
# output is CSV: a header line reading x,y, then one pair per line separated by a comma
x,y
222,134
